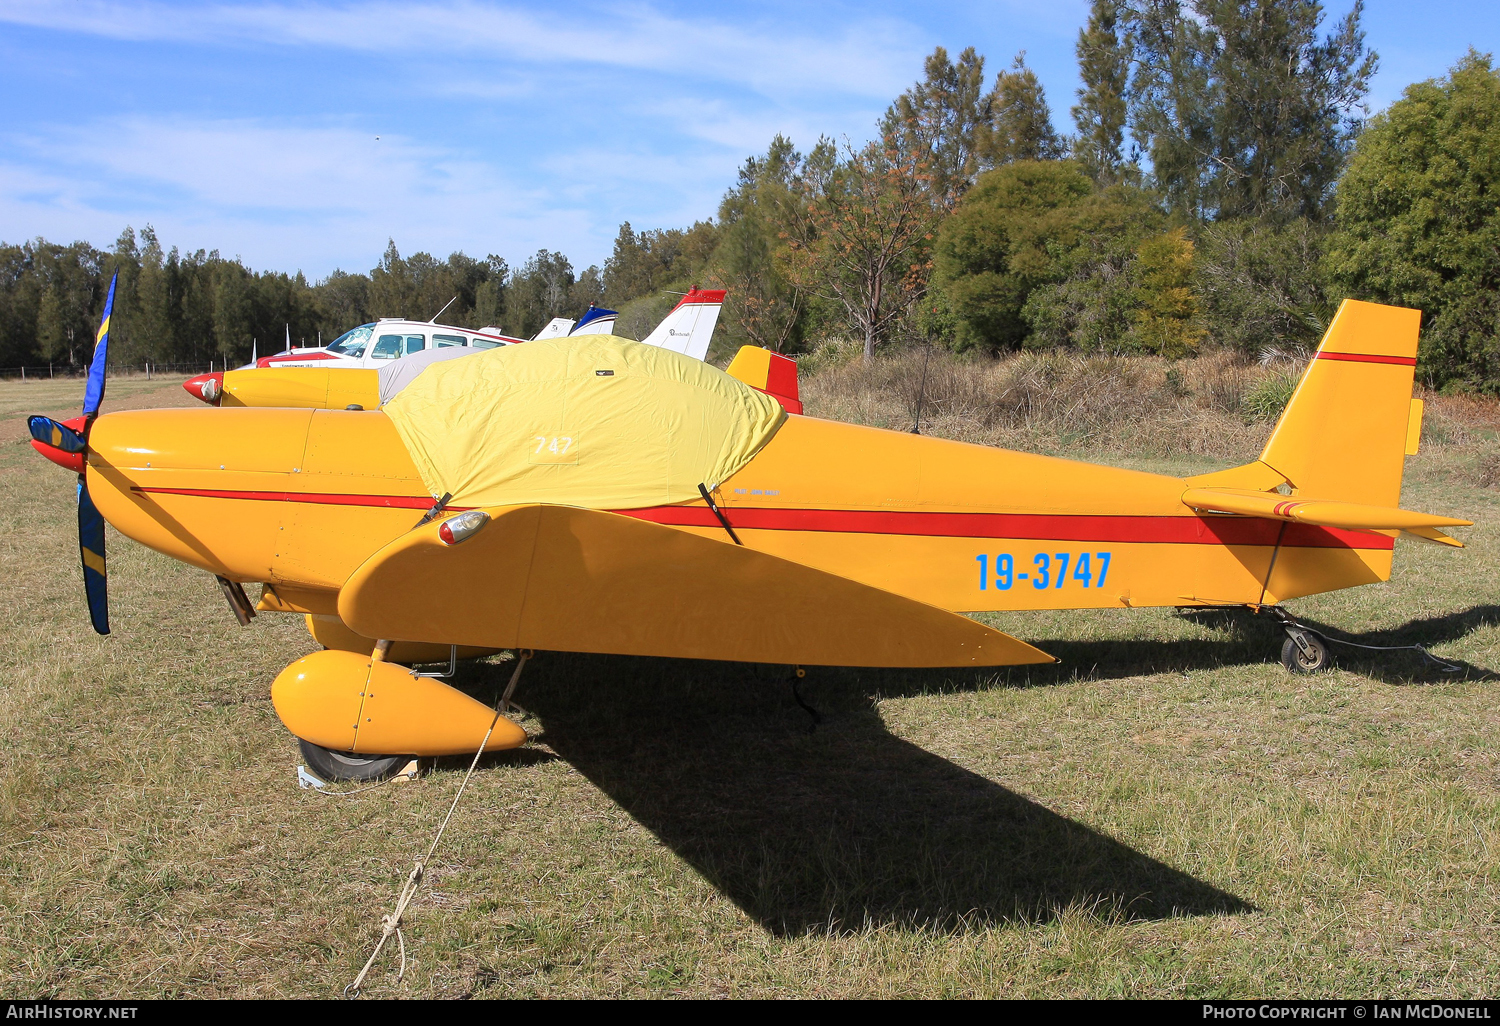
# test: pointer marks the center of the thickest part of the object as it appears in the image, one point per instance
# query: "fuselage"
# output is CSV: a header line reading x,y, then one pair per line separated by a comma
x,y
300,498
375,344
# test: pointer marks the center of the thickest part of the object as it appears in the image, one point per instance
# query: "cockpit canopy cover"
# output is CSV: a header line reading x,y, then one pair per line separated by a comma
x,y
595,421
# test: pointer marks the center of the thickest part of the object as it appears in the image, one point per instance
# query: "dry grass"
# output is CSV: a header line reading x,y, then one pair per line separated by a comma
x,y
1049,401
1166,813
1214,406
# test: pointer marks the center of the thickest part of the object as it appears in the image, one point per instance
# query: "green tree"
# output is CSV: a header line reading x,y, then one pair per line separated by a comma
x,y
538,292
1002,242
51,332
151,320
763,305
234,332
1243,108
1166,318
1021,122
126,261
195,320
1418,219
1104,65
1093,302
644,263
489,296
1262,284
69,279
587,291
393,293
860,235
940,121
345,299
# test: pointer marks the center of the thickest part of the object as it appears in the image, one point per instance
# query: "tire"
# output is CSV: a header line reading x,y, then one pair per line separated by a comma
x,y
1298,661
335,766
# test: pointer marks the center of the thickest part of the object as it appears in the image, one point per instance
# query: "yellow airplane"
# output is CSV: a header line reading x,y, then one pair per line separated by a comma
x,y
360,388
598,495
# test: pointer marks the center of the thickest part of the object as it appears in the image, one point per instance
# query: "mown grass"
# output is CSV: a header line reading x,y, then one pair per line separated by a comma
x,y
1167,812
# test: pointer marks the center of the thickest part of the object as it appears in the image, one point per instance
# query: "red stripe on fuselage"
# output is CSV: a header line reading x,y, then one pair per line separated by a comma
x,y
1400,361
319,498
1188,530
1167,530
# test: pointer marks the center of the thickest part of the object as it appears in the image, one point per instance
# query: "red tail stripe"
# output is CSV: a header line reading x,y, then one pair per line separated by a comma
x,y
1400,361
701,296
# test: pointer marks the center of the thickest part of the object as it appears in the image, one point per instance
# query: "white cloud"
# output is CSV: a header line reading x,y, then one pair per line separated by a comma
x,y
262,191
512,127
862,59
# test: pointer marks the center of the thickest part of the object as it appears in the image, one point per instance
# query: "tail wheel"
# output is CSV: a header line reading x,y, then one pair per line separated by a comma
x,y
332,765
1305,654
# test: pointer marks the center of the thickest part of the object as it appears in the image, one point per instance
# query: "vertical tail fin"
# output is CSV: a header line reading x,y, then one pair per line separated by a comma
x,y
690,325
771,373
1345,431
557,327
597,321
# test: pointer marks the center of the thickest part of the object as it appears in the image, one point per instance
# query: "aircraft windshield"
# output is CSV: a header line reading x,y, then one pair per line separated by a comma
x,y
352,343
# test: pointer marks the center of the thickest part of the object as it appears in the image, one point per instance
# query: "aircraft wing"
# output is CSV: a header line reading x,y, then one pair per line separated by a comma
x,y
564,578
1350,516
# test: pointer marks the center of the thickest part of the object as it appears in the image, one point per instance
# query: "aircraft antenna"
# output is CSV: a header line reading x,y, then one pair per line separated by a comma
x,y
916,424
440,312
723,520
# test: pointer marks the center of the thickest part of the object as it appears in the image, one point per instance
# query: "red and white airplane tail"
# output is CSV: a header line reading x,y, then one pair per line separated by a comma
x,y
690,325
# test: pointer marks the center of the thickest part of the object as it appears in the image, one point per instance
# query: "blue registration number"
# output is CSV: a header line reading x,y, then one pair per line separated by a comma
x,y
1089,569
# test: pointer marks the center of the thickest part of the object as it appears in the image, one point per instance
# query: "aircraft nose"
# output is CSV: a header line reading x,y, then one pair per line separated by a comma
x,y
208,387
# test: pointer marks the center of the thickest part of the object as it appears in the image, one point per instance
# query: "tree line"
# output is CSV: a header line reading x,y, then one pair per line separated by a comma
x,y
1223,185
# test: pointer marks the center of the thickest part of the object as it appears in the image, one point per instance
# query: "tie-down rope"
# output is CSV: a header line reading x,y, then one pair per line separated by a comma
x,y
1288,620
391,924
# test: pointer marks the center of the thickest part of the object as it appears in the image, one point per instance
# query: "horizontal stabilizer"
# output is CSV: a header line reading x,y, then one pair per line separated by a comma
x,y
1351,516
568,579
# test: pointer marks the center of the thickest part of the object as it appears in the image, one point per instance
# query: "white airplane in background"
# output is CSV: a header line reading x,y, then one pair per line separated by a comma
x,y
687,329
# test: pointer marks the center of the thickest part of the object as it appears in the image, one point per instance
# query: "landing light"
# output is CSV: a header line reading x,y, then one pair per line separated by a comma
x,y
456,529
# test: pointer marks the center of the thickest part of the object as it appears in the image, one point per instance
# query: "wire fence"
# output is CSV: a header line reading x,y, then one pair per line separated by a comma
x,y
46,371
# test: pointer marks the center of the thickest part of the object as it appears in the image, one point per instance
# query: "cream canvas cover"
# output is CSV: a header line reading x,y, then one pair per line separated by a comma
x,y
594,420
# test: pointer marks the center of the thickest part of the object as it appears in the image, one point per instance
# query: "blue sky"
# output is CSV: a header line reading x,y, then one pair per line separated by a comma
x,y
303,135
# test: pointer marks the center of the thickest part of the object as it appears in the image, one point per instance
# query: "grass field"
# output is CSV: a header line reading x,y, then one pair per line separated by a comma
x,y
1168,812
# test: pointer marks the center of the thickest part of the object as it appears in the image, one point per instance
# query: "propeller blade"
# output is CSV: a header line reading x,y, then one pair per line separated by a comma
x,y
56,434
91,549
93,396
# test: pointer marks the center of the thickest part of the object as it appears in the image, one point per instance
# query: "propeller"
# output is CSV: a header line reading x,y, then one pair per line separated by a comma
x,y
66,443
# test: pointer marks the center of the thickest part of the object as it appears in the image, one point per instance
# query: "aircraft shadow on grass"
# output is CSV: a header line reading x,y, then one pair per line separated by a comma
x,y
850,826
839,829
1248,639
